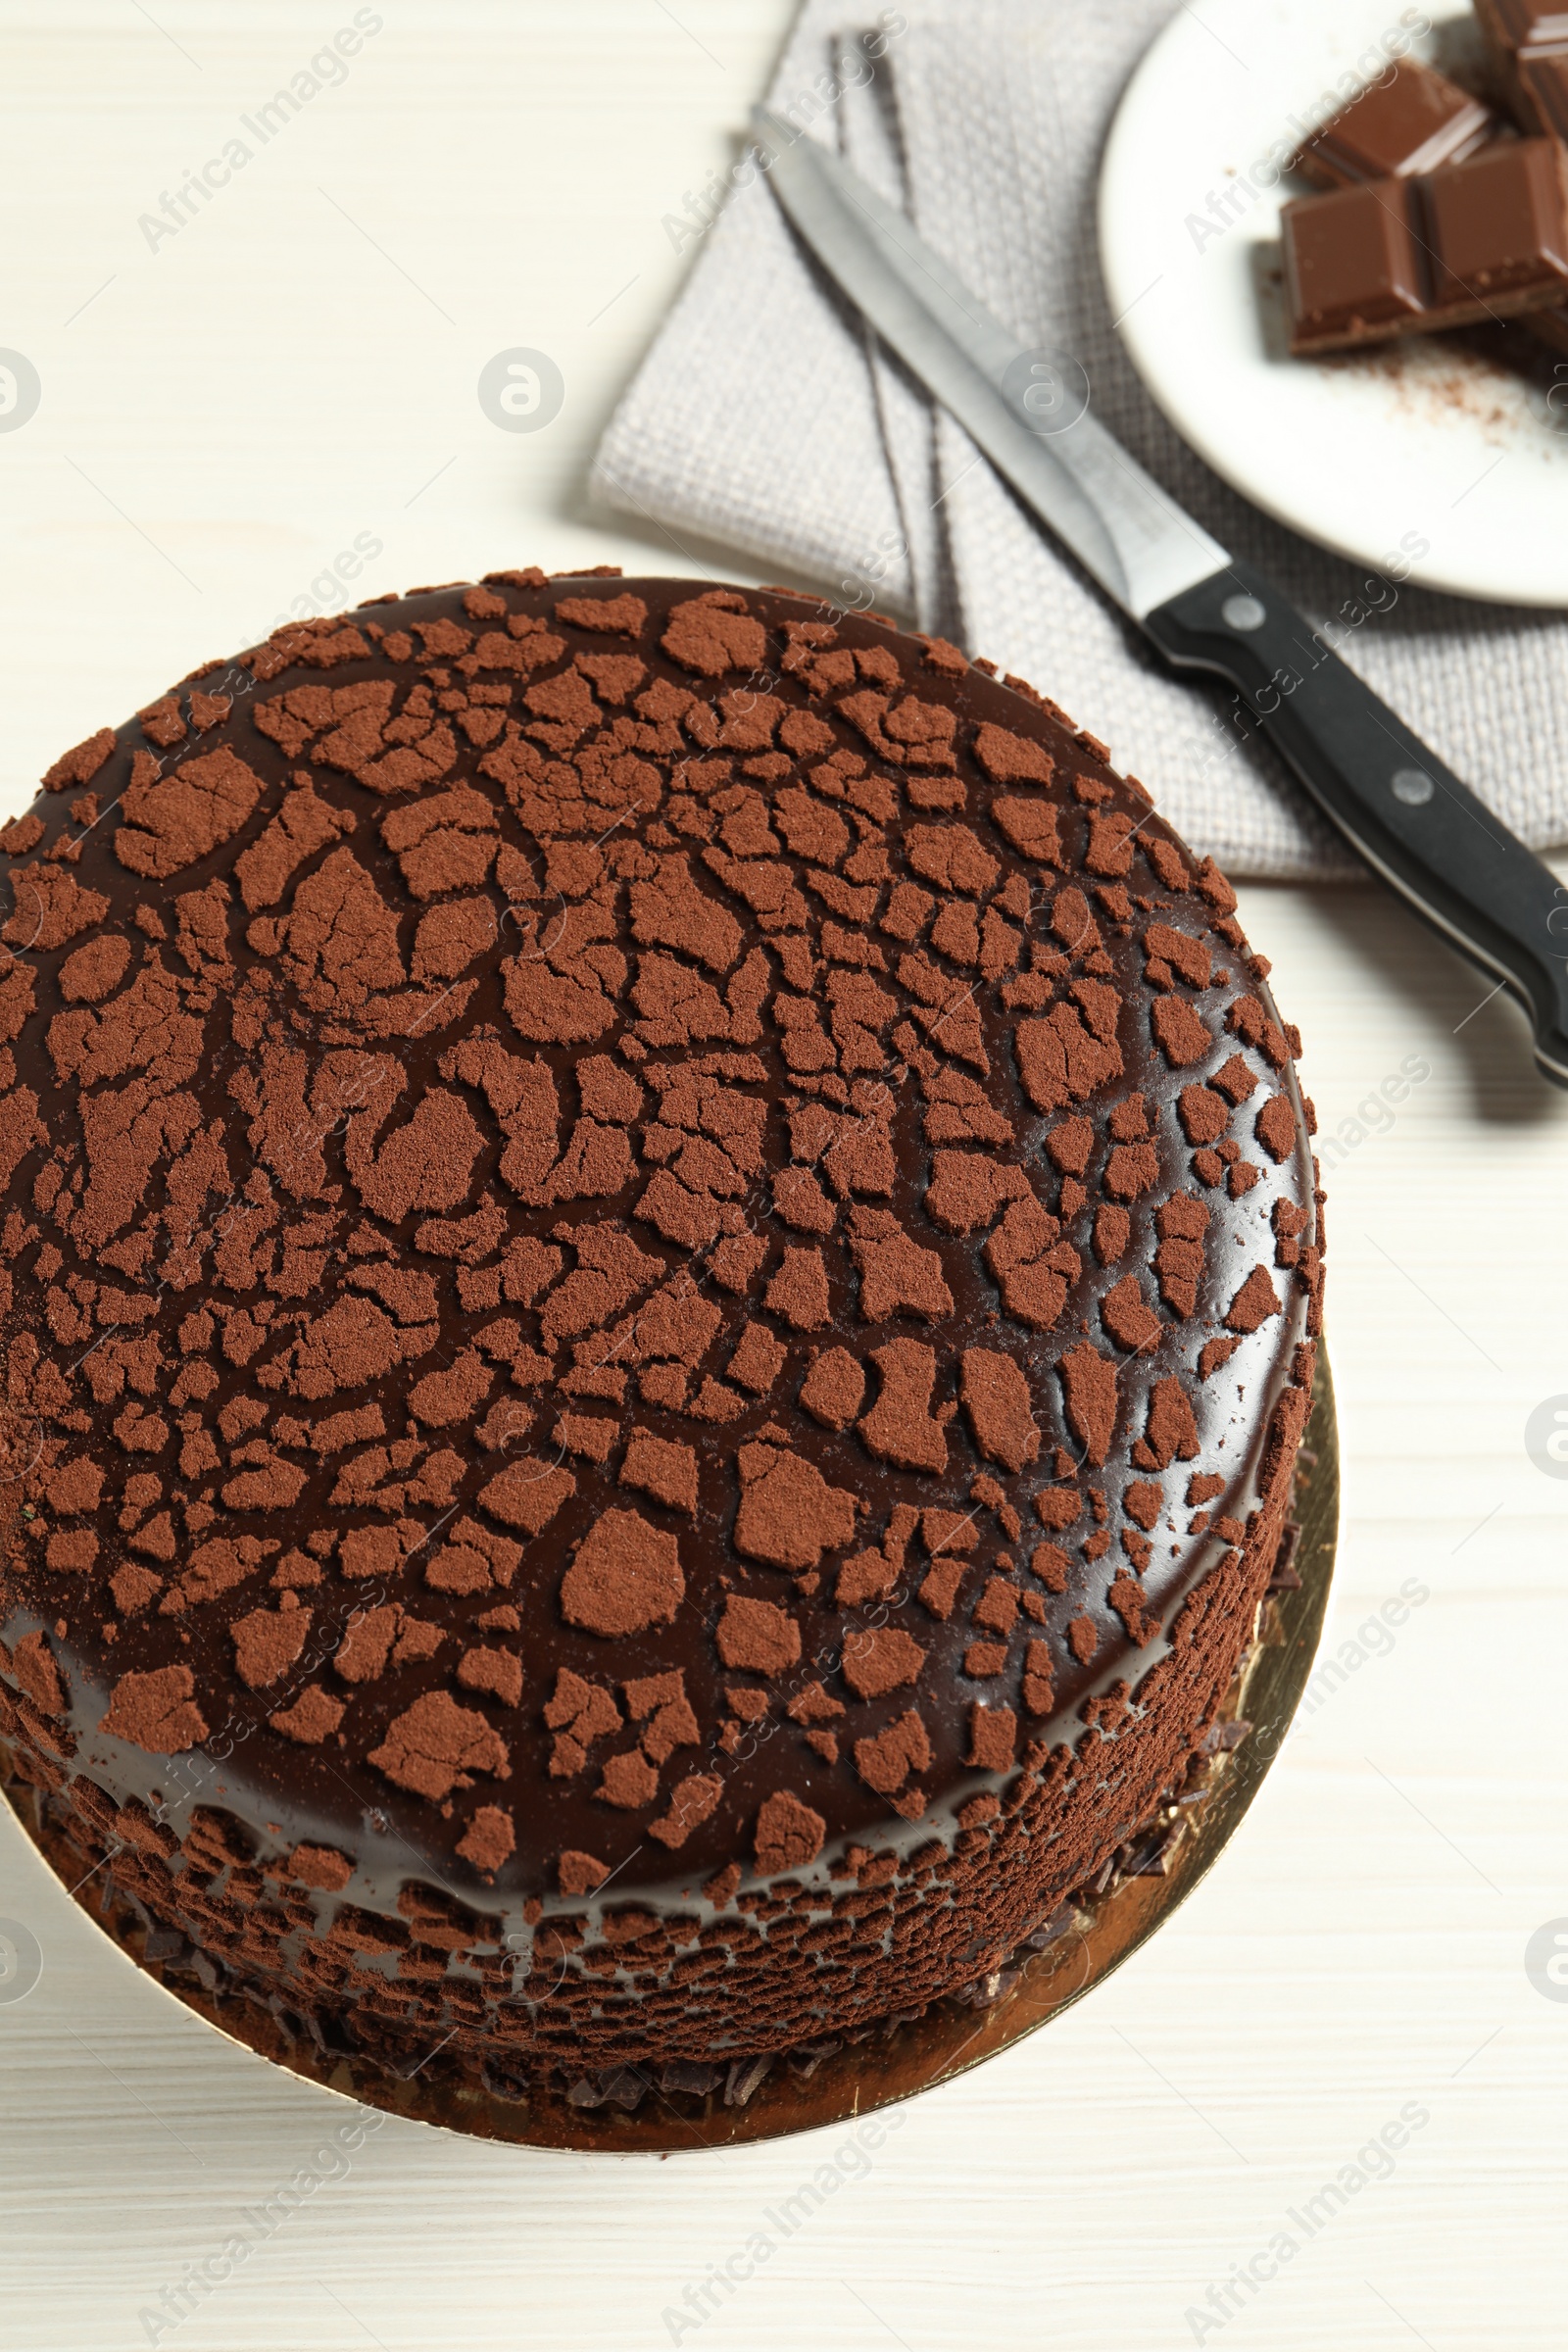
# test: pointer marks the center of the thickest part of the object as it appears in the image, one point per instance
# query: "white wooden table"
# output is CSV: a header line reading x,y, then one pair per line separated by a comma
x,y
225,412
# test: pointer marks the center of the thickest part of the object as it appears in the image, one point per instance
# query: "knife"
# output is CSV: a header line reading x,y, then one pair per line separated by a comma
x,y
1416,825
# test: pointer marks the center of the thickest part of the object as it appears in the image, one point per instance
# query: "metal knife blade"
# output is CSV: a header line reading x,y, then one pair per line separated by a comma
x,y
1134,540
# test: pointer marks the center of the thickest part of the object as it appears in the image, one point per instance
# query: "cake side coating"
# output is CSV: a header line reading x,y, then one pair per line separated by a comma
x,y
662,1261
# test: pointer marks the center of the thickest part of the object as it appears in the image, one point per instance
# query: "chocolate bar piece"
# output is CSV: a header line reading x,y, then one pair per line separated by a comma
x,y
1520,33
1512,27
1529,40
1542,96
1483,239
1412,119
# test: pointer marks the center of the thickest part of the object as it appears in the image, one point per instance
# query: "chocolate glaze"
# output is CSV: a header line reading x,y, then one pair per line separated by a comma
x,y
341,928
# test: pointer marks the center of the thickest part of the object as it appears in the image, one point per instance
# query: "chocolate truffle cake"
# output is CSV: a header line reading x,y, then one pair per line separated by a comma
x,y
659,1259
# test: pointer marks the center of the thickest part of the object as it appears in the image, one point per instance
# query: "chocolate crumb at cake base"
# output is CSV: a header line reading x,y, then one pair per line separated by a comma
x,y
659,1279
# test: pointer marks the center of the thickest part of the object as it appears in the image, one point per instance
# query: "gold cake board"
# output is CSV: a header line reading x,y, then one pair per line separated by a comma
x,y
948,2040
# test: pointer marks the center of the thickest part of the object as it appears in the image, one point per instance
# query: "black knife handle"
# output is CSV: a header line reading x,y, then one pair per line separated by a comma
x,y
1386,791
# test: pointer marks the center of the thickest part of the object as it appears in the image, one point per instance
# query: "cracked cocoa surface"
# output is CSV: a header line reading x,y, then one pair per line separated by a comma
x,y
633,1218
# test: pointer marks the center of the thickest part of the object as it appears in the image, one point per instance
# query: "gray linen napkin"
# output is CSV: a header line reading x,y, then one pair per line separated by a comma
x,y
768,419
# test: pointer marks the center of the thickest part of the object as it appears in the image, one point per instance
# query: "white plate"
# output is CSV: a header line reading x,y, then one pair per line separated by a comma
x,y
1419,457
